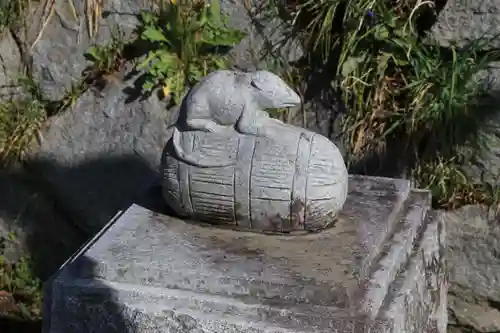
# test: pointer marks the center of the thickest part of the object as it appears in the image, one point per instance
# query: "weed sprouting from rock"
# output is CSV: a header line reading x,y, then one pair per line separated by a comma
x,y
187,40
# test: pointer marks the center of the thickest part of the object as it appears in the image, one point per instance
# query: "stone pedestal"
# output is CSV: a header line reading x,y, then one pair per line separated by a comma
x,y
379,269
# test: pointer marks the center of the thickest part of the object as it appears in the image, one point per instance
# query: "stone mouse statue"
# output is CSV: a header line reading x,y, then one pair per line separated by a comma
x,y
227,100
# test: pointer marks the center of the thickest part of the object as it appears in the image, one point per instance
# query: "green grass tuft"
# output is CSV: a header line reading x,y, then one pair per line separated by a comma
x,y
11,12
20,121
20,291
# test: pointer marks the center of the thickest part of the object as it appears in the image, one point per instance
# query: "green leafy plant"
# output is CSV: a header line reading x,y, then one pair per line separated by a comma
x,y
450,186
187,40
10,12
397,86
418,98
105,59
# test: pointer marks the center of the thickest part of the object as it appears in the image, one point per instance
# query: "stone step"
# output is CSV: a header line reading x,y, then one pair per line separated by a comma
x,y
373,208
416,301
396,251
148,269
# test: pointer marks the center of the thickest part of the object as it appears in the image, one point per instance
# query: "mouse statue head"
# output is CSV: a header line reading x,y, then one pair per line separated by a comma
x,y
269,91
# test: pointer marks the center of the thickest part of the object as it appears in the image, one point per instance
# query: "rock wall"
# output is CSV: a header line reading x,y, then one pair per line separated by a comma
x,y
473,232
90,160
462,21
473,254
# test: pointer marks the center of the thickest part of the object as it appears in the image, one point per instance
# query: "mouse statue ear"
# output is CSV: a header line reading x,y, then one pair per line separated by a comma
x,y
254,84
238,68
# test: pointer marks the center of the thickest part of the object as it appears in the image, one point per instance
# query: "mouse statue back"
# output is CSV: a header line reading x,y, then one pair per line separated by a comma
x,y
284,179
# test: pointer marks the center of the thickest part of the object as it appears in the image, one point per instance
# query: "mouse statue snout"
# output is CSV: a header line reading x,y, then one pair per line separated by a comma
x,y
289,99
295,98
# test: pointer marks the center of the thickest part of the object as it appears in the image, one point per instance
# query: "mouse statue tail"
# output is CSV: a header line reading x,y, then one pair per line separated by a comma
x,y
195,158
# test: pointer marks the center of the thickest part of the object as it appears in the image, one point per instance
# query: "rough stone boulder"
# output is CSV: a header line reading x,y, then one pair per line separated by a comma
x,y
58,48
10,64
473,255
465,20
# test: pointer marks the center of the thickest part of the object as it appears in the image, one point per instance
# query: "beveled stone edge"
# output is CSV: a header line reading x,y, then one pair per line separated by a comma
x,y
402,186
431,243
345,320
412,220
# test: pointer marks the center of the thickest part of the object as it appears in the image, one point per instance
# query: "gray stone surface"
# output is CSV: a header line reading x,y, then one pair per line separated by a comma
x,y
103,150
263,35
472,250
100,153
148,272
466,20
422,285
473,259
58,48
293,182
10,65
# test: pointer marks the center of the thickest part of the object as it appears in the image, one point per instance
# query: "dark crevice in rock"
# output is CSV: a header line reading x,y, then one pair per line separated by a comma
x,y
494,304
26,58
428,16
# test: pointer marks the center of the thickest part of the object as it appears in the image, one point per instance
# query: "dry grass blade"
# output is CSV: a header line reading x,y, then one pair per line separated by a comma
x,y
93,10
73,9
51,6
21,122
89,16
97,15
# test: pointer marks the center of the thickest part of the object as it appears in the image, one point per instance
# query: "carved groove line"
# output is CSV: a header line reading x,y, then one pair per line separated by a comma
x,y
294,178
311,145
234,180
250,183
190,190
178,176
184,176
241,180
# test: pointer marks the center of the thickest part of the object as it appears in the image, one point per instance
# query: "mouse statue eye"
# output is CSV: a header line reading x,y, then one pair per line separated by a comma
x,y
253,84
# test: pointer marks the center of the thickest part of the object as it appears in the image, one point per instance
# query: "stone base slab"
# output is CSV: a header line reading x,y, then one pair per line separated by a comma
x,y
379,269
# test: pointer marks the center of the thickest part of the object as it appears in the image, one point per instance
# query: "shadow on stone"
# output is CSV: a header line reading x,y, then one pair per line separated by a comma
x,y
51,222
54,216
92,307
429,16
11,325
93,191
136,92
322,101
